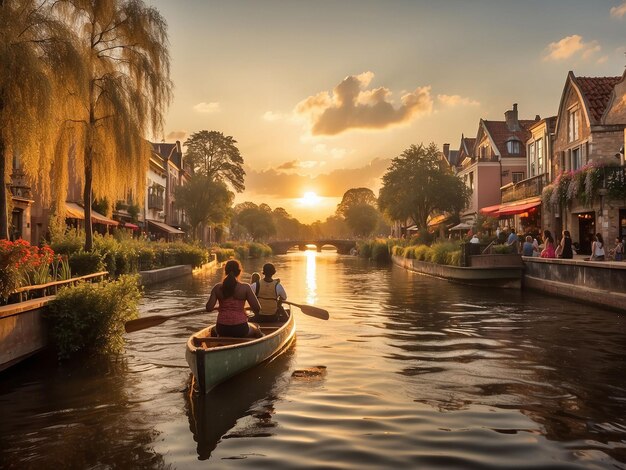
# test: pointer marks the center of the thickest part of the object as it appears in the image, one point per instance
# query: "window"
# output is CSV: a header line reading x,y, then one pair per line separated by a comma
x,y
576,160
573,124
513,147
539,152
531,158
517,176
483,152
471,181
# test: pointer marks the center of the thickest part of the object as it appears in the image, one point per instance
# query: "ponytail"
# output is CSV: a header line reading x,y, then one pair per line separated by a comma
x,y
232,269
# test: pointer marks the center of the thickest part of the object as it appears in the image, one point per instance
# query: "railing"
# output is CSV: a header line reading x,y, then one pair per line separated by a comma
x,y
51,288
530,187
19,184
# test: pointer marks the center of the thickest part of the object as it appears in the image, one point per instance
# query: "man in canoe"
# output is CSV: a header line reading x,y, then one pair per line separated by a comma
x,y
231,296
269,292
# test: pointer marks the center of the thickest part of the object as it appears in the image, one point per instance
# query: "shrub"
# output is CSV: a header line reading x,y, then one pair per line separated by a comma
x,y
423,237
400,251
223,254
454,258
83,263
501,249
259,250
421,252
439,252
380,251
90,317
72,241
364,249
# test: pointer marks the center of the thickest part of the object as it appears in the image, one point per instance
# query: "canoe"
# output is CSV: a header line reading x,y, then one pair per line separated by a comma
x,y
213,360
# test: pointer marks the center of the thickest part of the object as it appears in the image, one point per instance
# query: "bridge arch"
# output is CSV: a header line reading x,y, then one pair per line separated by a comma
x,y
280,247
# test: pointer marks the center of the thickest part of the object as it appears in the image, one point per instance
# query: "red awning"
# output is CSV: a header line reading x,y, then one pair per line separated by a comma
x,y
130,226
517,208
490,209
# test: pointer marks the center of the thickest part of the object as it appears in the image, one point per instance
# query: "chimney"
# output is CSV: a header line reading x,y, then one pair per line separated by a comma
x,y
511,119
446,150
537,117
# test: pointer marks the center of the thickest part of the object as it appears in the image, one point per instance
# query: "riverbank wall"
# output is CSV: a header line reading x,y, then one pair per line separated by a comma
x,y
602,283
487,273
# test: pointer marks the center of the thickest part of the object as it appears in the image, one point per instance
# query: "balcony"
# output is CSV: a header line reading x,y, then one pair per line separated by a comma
x,y
19,184
530,187
155,201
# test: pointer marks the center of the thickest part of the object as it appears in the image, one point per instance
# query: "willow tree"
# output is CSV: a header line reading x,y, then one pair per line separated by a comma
x,y
37,62
127,89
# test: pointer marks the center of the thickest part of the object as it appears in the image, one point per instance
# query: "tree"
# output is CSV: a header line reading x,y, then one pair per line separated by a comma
x,y
417,184
204,201
362,219
358,208
125,91
38,60
257,220
216,156
287,228
356,196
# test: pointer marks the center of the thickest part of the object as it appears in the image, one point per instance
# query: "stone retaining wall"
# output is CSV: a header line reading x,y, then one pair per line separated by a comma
x,y
600,283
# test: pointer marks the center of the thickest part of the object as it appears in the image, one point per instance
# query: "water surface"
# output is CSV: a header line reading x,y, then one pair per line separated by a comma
x,y
409,372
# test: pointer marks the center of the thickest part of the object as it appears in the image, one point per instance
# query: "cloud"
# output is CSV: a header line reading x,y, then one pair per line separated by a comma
x,y
296,164
618,11
271,116
351,105
571,46
176,135
207,108
280,184
456,100
602,59
334,152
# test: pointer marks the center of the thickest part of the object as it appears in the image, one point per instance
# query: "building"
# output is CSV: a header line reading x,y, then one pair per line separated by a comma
x,y
496,158
161,217
588,190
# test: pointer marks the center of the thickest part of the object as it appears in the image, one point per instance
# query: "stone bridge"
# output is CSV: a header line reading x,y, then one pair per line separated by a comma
x,y
281,247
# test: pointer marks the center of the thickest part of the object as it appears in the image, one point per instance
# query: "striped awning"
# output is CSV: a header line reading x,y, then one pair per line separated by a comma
x,y
74,211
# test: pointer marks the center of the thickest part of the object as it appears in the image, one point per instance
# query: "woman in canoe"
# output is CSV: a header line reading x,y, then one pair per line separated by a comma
x,y
231,296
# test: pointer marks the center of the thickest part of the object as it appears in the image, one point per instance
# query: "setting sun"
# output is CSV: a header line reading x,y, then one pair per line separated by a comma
x,y
310,199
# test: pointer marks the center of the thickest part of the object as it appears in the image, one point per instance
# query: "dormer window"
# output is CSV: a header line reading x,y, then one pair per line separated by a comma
x,y
513,147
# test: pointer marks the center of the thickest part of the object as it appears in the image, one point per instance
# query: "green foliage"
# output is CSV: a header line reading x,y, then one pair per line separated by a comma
x,y
223,254
259,250
68,243
83,263
454,258
217,157
421,252
204,201
256,220
90,317
423,237
417,184
501,249
377,250
439,252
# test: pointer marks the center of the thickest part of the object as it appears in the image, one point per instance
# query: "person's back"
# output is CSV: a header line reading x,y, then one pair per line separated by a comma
x,y
230,295
528,249
269,291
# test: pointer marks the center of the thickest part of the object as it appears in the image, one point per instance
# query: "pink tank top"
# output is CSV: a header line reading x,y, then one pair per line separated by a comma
x,y
231,312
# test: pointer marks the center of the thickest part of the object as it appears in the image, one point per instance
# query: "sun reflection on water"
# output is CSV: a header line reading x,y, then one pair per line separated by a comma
x,y
311,281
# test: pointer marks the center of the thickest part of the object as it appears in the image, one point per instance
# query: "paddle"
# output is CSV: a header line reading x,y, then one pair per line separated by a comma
x,y
154,320
310,310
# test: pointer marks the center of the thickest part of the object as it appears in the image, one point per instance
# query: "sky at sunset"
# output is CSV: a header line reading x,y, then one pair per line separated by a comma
x,y
320,95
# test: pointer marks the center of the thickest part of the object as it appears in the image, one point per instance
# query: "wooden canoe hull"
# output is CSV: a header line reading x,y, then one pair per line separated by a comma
x,y
226,357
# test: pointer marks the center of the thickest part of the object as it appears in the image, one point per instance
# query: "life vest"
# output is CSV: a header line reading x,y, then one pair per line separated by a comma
x,y
266,292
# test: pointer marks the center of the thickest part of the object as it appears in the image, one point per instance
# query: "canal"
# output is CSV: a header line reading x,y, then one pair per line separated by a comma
x,y
409,372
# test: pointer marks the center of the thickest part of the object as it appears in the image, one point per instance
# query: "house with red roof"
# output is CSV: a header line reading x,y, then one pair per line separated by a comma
x,y
497,159
588,191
